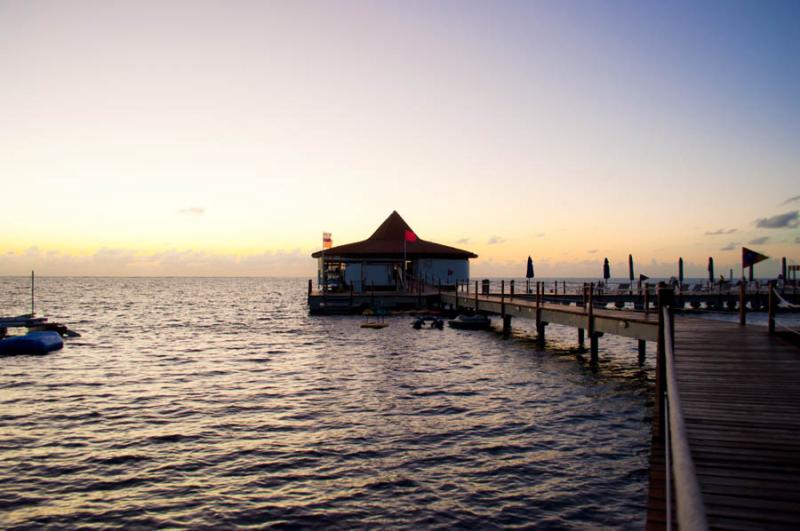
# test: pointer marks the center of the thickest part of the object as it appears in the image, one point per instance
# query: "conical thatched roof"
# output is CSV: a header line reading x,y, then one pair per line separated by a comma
x,y
388,242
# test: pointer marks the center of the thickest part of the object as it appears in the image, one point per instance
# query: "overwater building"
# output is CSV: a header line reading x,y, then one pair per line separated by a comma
x,y
394,258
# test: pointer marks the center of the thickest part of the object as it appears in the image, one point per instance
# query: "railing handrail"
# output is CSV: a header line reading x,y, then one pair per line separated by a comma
x,y
691,509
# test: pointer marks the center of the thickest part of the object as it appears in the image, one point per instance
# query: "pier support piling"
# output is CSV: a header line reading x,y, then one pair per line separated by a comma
x,y
771,306
581,343
540,334
642,351
593,338
594,348
742,304
507,325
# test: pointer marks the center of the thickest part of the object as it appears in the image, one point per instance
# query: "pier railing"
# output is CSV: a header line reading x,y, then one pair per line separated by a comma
x,y
691,513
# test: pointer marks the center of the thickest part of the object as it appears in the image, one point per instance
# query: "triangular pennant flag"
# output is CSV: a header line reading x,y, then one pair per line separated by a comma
x,y
750,257
642,278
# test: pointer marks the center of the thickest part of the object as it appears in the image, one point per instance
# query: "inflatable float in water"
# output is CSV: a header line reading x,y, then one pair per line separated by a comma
x,y
36,343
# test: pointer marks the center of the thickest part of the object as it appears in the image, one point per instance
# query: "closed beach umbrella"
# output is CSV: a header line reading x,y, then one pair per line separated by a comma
x,y
630,267
606,270
529,272
710,269
680,270
783,268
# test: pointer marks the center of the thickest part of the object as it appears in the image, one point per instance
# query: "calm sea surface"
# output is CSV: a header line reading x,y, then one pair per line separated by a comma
x,y
216,403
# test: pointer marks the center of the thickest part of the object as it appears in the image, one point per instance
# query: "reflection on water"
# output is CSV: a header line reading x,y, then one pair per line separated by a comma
x,y
220,402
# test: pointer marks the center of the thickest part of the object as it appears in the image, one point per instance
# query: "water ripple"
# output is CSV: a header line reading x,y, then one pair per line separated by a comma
x,y
219,403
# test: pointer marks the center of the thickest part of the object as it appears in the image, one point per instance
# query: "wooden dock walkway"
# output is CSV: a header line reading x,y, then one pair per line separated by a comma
x,y
737,401
726,430
740,394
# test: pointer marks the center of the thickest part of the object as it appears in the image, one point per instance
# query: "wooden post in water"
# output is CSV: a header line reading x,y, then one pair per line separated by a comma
x,y
539,324
32,294
309,287
771,306
476,296
503,299
642,351
742,303
581,343
593,338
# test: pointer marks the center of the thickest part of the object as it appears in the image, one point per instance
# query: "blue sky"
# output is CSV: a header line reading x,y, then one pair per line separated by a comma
x,y
224,137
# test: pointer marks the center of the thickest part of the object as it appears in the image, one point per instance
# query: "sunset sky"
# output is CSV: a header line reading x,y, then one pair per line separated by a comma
x,y
223,138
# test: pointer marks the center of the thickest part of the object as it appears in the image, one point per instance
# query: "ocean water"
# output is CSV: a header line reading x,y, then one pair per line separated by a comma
x,y
220,403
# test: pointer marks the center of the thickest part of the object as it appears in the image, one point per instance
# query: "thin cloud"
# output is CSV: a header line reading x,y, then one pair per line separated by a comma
x,y
759,241
494,240
192,211
791,200
787,220
463,241
720,232
540,235
591,251
730,247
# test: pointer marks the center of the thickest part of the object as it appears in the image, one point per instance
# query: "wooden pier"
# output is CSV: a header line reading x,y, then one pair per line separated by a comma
x,y
739,389
591,323
725,444
725,451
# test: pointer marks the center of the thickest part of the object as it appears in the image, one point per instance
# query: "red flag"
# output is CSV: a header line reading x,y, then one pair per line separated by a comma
x,y
410,236
751,257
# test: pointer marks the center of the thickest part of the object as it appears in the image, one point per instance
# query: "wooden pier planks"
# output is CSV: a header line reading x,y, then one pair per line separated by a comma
x,y
740,392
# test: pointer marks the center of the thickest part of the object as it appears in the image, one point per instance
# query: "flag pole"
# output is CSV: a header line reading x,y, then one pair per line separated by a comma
x,y
405,279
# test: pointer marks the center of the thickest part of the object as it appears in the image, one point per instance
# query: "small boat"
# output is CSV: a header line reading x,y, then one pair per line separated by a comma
x,y
431,320
37,343
470,322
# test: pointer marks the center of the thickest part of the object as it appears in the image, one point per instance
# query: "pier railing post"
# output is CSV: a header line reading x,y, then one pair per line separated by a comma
x,y
742,304
647,299
771,306
503,299
581,333
665,295
593,338
539,324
